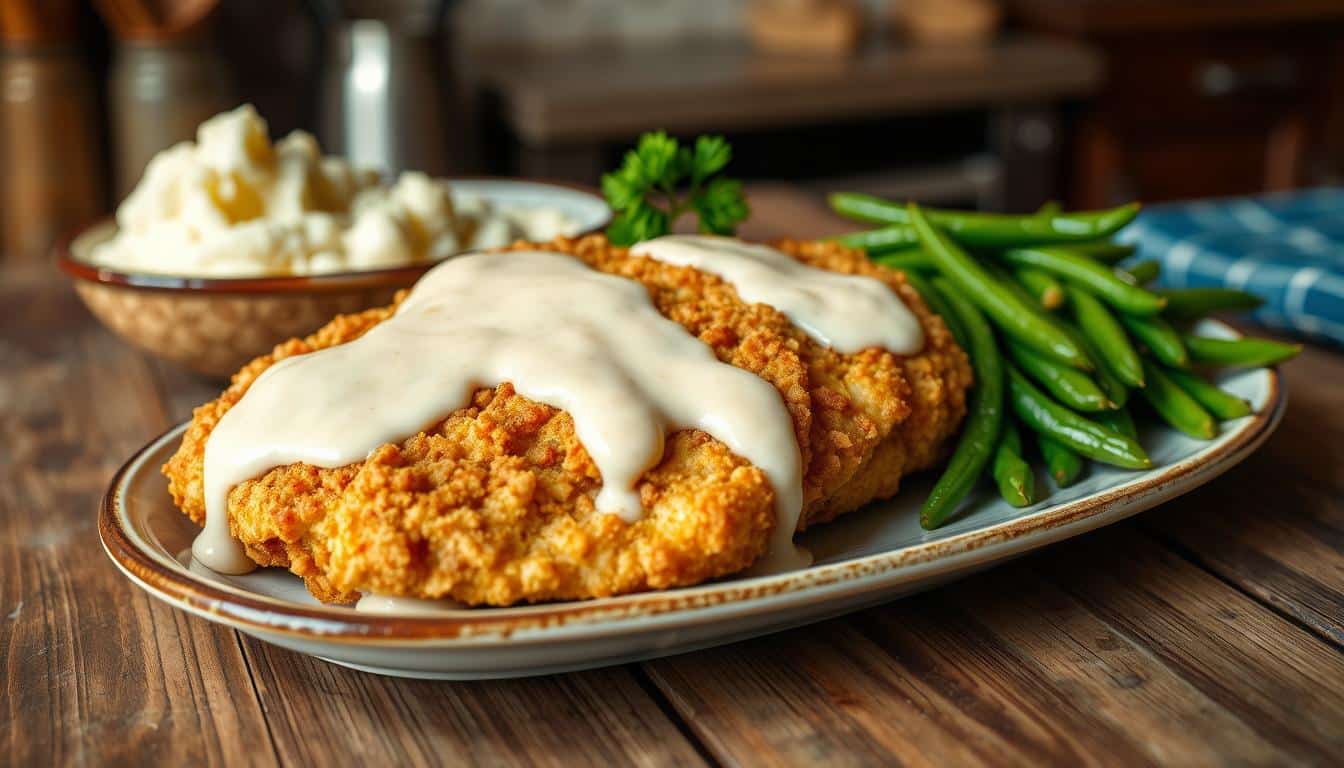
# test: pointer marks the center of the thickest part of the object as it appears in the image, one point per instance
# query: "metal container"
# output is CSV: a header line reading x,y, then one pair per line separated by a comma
x,y
159,91
382,106
50,176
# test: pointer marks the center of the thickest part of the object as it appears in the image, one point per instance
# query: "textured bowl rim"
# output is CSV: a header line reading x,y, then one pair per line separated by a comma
x,y
394,277
251,612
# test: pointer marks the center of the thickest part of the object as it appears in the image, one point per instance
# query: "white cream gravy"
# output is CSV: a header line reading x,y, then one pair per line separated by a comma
x,y
574,338
589,343
844,312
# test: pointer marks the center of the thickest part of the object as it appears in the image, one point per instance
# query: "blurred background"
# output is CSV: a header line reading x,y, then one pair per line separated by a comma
x,y
996,104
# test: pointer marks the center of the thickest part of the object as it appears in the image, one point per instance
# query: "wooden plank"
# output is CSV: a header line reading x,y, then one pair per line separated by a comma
x,y
1013,668
96,671
1281,681
322,714
608,93
1307,444
822,695
1279,540
1274,526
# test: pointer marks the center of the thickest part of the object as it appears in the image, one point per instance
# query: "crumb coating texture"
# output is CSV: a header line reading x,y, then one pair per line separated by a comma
x,y
494,505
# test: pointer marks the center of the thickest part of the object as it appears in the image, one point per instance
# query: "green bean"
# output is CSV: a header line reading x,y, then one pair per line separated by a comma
x,y
1100,280
1246,352
1177,408
1016,317
991,230
1141,273
1041,285
1118,420
980,433
1116,392
1103,251
1060,461
1114,352
1194,303
1158,335
1114,389
1009,283
868,208
1070,386
939,305
909,260
1223,405
882,240
1049,208
1084,436
1017,484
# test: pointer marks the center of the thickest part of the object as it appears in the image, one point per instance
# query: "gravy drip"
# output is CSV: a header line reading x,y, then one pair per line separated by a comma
x,y
844,312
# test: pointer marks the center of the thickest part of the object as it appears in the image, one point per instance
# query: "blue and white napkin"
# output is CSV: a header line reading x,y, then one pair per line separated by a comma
x,y
1287,248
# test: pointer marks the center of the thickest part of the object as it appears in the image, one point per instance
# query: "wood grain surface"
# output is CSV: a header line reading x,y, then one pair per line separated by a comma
x,y
613,92
1207,631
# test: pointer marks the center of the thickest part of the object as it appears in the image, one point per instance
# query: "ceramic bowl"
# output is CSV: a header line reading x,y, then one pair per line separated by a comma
x,y
214,326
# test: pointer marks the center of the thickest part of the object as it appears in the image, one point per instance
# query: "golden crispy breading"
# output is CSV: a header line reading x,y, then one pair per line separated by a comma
x,y
495,504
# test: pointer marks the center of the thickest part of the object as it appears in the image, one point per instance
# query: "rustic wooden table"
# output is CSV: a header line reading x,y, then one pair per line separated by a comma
x,y
1209,630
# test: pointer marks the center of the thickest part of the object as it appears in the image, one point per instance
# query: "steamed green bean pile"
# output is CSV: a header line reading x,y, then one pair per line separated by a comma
x,y
1060,337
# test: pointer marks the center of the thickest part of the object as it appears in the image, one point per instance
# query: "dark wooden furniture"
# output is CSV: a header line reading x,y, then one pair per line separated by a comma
x,y
1209,630
564,107
1203,97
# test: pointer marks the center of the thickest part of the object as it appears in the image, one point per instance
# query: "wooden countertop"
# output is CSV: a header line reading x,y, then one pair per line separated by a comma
x,y
1208,630
609,92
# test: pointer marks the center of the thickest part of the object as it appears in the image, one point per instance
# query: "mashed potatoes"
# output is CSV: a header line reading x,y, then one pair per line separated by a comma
x,y
232,204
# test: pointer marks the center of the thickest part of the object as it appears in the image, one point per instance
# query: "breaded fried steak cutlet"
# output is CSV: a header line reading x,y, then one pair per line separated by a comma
x,y
494,503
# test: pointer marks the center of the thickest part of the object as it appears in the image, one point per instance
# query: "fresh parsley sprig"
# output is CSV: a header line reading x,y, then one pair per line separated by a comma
x,y
660,180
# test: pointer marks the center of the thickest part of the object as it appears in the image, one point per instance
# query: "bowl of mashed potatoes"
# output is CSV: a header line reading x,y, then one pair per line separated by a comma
x,y
232,243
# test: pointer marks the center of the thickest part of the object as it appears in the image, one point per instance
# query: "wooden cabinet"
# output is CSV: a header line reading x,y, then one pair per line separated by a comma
x,y
1202,99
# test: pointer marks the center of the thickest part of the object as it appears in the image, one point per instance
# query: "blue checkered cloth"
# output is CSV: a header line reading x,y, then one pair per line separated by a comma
x,y
1287,248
